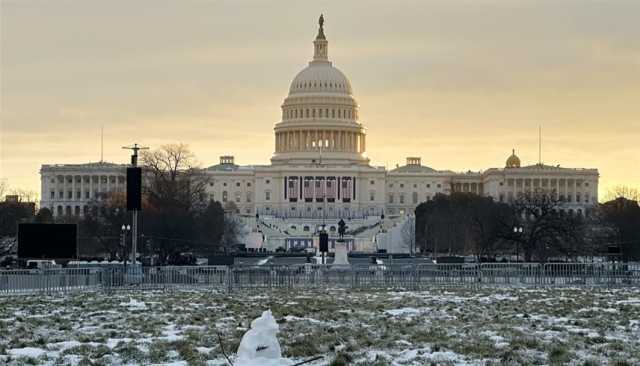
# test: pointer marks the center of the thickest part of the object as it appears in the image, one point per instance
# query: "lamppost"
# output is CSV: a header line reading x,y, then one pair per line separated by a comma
x,y
518,230
123,239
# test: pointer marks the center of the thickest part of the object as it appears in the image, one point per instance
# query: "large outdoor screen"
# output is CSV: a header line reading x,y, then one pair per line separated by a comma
x,y
48,241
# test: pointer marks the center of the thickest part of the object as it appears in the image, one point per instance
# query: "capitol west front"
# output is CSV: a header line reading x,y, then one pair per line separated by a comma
x,y
320,173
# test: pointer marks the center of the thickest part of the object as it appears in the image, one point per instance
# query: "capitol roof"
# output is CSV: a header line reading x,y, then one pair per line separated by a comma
x,y
320,76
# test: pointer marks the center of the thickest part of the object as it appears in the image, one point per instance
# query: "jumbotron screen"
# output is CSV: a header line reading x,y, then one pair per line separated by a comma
x,y
47,241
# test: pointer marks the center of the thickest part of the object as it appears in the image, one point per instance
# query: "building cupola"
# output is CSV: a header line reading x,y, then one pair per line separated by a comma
x,y
513,161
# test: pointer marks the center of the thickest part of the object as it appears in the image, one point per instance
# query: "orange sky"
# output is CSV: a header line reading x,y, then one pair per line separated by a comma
x,y
459,83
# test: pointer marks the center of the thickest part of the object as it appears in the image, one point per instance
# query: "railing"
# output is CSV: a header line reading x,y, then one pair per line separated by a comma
x,y
50,280
408,276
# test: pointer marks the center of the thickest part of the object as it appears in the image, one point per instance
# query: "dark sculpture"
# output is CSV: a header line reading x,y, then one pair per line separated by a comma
x,y
342,227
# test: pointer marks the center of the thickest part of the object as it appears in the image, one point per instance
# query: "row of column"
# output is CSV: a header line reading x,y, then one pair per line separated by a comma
x,y
81,186
568,188
312,140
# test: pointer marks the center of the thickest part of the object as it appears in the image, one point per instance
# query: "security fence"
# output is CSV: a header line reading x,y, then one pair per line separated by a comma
x,y
409,276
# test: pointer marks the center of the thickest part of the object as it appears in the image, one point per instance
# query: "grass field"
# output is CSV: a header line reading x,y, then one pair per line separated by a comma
x,y
487,326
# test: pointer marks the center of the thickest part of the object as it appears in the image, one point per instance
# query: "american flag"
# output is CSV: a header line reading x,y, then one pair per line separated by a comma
x,y
345,190
331,187
308,188
319,187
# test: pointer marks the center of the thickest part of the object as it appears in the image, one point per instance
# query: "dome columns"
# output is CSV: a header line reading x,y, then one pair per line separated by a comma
x,y
308,140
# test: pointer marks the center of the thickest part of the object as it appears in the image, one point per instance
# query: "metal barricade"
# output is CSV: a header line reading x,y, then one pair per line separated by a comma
x,y
49,280
522,274
406,276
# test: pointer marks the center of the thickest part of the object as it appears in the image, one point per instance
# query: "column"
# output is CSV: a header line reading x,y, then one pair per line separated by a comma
x,y
333,140
354,145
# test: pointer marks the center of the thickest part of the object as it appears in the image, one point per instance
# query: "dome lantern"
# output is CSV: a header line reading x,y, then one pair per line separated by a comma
x,y
321,46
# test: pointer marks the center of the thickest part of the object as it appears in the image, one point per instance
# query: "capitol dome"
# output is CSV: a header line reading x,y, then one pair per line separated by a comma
x,y
320,77
320,115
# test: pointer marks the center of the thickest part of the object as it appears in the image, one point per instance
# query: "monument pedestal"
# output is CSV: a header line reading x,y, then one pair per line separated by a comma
x,y
341,257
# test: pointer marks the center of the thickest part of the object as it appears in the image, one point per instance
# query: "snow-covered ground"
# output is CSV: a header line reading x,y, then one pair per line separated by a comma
x,y
486,326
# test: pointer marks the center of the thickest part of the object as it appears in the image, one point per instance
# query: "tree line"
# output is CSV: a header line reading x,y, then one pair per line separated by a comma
x,y
532,228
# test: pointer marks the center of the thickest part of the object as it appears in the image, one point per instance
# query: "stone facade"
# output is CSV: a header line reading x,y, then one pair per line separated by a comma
x,y
67,189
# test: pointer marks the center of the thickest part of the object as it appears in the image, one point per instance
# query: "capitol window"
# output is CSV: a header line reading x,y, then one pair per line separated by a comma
x,y
225,194
333,113
53,194
267,195
390,198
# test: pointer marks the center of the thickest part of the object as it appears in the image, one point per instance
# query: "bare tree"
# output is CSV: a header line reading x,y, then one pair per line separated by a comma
x,y
547,230
630,193
234,230
25,195
4,187
409,233
173,178
100,227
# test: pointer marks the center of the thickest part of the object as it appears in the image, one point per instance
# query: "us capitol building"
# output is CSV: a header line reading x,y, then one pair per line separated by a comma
x,y
320,173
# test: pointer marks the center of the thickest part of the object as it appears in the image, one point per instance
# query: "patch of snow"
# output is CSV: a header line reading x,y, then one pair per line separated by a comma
x,y
27,352
134,304
291,318
628,302
402,311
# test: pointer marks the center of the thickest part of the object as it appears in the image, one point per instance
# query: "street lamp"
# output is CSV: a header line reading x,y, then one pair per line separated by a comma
x,y
518,230
123,237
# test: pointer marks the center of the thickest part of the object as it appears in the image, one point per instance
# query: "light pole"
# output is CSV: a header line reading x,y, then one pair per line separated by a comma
x,y
123,237
518,231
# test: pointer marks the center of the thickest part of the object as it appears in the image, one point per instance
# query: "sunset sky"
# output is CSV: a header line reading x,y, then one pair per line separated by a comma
x,y
459,83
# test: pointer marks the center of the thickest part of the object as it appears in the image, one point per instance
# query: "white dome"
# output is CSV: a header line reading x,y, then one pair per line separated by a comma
x,y
320,116
320,77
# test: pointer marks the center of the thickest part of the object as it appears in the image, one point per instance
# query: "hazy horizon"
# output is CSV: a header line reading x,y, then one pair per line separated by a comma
x,y
458,83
